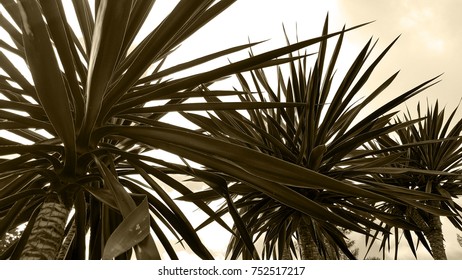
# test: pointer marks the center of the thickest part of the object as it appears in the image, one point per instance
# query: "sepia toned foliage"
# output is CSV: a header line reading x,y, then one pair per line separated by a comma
x,y
327,136
82,115
431,152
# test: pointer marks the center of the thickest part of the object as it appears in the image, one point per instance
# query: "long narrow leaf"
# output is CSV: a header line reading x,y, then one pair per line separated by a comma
x,y
132,231
49,84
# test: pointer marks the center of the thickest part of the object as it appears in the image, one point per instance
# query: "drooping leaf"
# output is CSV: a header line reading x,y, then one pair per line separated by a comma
x,y
132,231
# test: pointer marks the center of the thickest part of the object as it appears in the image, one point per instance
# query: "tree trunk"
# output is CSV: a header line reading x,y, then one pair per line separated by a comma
x,y
308,248
286,255
47,233
433,231
67,242
436,239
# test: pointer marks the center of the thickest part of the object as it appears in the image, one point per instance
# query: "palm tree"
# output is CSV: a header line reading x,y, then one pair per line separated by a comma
x,y
324,135
432,154
91,113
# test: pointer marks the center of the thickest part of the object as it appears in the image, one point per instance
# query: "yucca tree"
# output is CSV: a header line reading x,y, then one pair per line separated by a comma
x,y
91,113
326,136
432,154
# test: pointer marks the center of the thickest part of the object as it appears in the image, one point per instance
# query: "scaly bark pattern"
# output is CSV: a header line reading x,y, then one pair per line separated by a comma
x,y
286,255
47,233
433,231
436,239
67,242
308,248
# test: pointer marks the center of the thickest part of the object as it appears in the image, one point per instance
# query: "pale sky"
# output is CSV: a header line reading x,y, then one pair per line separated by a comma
x,y
428,46
429,43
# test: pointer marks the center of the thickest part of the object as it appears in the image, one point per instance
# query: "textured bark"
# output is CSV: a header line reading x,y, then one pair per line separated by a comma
x,y
47,232
308,248
436,239
67,242
286,255
433,231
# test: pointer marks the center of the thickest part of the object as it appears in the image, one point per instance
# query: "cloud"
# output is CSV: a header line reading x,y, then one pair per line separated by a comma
x,y
429,45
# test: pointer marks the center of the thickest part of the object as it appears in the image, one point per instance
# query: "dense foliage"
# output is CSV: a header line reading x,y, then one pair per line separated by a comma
x,y
84,116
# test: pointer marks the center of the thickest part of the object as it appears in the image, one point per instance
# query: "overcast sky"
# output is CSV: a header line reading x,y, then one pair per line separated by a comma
x,y
428,46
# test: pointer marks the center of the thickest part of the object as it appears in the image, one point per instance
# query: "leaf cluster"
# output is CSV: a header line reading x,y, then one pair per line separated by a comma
x,y
87,113
329,134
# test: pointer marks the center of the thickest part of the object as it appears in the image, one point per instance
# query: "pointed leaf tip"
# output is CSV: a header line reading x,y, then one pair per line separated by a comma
x,y
132,230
